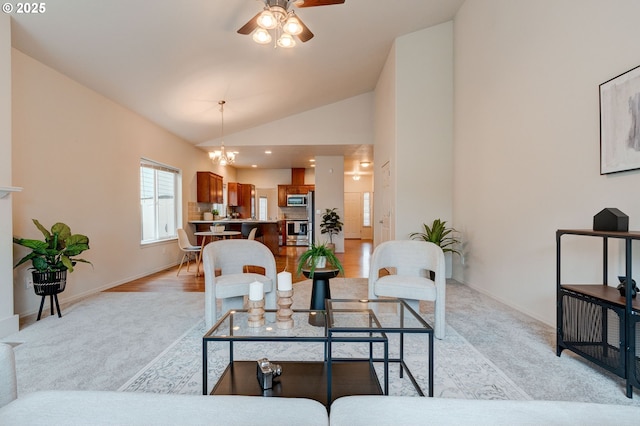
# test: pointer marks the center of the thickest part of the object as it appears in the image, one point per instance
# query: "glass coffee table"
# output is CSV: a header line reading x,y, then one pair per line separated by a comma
x,y
345,322
306,379
348,317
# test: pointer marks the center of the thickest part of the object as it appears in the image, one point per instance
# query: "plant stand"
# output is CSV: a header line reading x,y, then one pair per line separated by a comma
x,y
49,284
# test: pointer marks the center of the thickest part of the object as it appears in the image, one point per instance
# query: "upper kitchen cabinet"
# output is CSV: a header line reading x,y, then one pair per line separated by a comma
x,y
209,188
234,194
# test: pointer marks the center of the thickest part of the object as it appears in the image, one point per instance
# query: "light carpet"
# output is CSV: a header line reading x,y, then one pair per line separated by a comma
x,y
111,339
460,370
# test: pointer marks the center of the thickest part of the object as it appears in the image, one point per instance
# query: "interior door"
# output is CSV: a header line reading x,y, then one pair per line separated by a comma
x,y
352,215
385,220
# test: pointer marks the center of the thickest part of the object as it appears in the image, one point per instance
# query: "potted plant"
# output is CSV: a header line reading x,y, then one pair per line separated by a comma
x,y
216,214
53,257
331,225
317,257
438,234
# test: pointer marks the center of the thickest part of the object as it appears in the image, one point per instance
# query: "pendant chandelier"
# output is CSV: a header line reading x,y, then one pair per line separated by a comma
x,y
222,157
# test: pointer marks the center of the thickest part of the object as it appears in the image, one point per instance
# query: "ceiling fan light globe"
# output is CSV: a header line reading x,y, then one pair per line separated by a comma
x,y
286,41
267,20
292,26
262,36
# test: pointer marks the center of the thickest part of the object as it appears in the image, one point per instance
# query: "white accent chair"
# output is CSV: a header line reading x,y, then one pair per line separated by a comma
x,y
412,261
230,257
189,251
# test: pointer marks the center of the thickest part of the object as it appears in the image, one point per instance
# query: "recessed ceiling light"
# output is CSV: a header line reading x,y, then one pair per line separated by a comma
x,y
365,163
313,160
254,165
313,165
267,152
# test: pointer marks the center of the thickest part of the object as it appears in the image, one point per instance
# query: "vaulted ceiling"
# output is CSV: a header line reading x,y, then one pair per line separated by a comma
x,y
172,61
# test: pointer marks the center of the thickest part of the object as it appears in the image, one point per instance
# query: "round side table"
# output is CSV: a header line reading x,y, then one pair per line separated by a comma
x,y
320,291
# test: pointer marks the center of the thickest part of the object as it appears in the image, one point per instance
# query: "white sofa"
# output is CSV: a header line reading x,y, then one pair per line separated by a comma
x,y
408,411
124,408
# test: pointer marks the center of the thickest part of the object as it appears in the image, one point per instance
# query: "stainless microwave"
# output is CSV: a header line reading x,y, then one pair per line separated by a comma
x,y
296,200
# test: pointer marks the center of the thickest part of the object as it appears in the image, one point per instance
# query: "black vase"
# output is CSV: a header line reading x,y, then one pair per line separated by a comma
x,y
50,282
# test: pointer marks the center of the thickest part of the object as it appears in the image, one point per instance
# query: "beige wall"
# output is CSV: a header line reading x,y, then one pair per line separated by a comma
x,y
8,320
527,141
329,194
77,156
414,133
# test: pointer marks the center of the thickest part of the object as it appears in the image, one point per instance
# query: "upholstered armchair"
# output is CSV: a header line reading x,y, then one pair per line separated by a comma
x,y
417,273
231,257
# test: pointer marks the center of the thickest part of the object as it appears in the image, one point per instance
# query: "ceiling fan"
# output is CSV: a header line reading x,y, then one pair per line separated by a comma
x,y
276,15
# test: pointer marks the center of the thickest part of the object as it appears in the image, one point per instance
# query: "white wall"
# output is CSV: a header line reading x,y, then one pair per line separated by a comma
x,y
527,140
424,111
414,133
8,320
384,149
347,122
77,156
329,194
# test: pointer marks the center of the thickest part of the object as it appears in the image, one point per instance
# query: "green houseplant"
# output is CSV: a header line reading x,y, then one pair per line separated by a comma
x,y
312,259
439,234
52,257
330,224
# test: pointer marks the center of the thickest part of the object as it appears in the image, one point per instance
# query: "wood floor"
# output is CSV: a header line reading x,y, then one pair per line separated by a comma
x,y
355,261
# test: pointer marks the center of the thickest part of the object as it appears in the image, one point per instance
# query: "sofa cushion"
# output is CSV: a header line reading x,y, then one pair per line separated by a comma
x,y
406,411
8,385
128,408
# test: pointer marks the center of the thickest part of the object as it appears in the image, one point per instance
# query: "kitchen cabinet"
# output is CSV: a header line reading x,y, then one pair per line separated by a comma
x,y
282,195
284,190
234,194
242,196
594,320
209,188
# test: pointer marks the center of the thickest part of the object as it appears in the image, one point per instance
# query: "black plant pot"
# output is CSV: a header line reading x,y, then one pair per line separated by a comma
x,y
49,283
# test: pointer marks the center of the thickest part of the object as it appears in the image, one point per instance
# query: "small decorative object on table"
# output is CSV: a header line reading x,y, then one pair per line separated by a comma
x,y
267,372
622,287
285,292
256,304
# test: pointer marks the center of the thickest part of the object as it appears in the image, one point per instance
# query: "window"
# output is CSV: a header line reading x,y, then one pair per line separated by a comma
x,y
262,210
159,195
366,209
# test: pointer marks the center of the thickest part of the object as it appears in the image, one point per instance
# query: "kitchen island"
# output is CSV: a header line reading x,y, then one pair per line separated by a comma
x,y
268,228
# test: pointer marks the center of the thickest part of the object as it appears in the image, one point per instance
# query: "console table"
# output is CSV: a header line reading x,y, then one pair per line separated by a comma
x,y
594,320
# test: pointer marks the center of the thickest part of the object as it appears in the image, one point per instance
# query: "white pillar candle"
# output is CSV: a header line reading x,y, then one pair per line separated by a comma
x,y
284,281
256,291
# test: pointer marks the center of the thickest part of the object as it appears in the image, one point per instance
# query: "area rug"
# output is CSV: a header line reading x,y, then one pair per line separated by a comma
x,y
460,370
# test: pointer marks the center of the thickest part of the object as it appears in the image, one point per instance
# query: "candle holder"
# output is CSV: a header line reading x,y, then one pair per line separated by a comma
x,y
256,313
284,313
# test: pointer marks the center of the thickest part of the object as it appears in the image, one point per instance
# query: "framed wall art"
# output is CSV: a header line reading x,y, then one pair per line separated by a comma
x,y
620,123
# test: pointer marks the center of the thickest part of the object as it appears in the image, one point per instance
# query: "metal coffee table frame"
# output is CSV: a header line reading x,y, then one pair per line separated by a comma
x,y
301,316
376,325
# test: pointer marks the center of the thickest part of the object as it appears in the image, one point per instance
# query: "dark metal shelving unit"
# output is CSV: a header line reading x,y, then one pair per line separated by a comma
x,y
594,320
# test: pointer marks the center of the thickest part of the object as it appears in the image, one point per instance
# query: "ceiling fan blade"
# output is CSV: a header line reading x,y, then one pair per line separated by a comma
x,y
313,3
249,26
306,33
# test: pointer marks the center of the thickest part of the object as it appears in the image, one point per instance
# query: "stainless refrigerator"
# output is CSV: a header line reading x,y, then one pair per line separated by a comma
x,y
311,216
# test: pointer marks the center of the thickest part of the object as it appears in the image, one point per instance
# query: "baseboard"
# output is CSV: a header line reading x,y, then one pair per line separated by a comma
x,y
80,296
518,308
